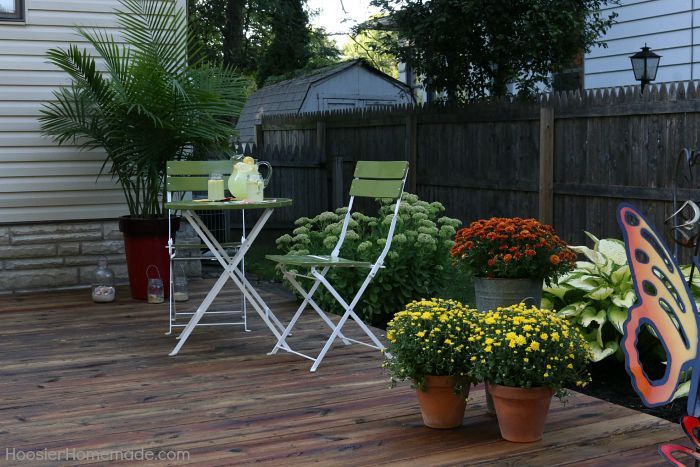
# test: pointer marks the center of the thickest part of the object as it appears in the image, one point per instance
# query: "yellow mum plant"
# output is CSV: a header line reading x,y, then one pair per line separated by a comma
x,y
431,337
529,347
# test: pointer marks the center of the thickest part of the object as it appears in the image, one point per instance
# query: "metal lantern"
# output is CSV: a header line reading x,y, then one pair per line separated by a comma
x,y
645,64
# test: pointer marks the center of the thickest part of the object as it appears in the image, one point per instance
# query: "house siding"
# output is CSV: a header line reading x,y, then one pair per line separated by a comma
x,y
40,181
670,27
56,217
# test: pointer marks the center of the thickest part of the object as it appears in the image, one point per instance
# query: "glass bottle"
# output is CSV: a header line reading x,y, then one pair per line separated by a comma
x,y
180,285
103,290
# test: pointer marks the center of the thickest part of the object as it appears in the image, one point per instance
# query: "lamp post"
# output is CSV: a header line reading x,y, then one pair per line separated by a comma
x,y
645,64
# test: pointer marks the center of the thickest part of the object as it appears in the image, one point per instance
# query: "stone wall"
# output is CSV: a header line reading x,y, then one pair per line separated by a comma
x,y
63,255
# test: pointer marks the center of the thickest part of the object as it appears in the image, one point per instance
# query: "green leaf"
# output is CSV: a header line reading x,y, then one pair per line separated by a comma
x,y
591,315
613,250
592,255
682,390
558,291
626,301
600,293
617,317
599,352
572,310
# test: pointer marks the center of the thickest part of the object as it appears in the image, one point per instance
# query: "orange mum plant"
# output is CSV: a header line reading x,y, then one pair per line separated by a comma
x,y
513,248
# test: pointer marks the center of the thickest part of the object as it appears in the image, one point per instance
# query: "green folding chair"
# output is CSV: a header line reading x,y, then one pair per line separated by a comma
x,y
372,180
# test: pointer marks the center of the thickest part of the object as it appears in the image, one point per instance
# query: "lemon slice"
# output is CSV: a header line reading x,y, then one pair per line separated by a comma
x,y
249,160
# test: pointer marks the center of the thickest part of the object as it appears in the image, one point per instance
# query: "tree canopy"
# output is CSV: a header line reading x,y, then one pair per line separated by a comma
x,y
265,39
471,49
367,44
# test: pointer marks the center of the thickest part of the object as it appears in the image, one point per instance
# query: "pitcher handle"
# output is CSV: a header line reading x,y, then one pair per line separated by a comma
x,y
266,180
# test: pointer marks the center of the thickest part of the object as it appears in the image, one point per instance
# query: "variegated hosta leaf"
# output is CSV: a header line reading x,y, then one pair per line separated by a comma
x,y
601,293
573,310
626,300
585,266
591,315
557,290
613,250
592,237
547,303
621,275
599,352
592,255
584,282
617,317
682,391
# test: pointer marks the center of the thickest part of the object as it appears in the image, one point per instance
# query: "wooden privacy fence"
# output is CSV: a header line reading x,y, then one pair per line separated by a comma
x,y
567,158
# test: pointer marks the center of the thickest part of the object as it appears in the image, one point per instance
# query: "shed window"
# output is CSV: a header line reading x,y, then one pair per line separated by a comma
x,y
11,10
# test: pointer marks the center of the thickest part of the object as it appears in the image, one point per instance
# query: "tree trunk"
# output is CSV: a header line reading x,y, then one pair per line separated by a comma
x,y
233,33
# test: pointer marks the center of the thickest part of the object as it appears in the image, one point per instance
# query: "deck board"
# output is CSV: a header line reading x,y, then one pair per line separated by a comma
x,y
74,374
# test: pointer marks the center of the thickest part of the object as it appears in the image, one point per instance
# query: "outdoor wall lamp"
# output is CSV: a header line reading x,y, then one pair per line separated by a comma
x,y
645,64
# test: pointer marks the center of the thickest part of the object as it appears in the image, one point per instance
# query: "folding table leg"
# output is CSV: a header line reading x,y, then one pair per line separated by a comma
x,y
230,272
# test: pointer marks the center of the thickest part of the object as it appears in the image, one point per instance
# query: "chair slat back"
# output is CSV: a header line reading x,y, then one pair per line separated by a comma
x,y
379,179
363,187
381,170
194,175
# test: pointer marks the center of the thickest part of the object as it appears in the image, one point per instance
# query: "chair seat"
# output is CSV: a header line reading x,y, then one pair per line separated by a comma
x,y
317,260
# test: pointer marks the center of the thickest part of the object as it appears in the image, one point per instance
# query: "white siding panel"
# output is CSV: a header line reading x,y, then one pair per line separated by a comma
x,y
641,10
670,27
40,181
61,213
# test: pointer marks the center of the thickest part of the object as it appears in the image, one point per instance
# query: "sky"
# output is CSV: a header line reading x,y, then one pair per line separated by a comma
x,y
336,21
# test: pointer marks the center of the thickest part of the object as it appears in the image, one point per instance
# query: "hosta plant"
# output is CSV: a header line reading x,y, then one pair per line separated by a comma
x,y
596,297
417,264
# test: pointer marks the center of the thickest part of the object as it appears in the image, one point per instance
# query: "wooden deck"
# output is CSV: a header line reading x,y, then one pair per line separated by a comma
x,y
77,375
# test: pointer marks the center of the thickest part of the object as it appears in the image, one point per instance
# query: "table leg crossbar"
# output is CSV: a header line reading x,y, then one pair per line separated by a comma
x,y
231,272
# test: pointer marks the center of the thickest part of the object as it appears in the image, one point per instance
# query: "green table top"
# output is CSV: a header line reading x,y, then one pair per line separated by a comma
x,y
268,203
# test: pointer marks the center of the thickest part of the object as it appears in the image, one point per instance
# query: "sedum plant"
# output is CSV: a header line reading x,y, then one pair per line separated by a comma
x,y
141,99
417,264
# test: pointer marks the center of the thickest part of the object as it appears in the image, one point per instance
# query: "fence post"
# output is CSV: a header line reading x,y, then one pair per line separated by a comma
x,y
411,148
322,147
259,135
337,187
546,183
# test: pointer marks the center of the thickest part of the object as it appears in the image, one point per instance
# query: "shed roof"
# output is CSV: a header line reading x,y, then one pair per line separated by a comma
x,y
288,96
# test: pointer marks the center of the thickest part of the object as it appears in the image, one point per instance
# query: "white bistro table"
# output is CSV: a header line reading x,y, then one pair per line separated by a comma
x,y
230,264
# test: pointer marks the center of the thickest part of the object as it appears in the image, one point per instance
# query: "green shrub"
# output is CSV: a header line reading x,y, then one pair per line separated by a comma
x,y
417,265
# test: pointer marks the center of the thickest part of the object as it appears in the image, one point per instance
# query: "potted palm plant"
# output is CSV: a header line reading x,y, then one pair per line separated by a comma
x,y
144,104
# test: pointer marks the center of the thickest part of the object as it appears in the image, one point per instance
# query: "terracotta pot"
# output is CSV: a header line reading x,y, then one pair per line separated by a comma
x,y
521,412
439,405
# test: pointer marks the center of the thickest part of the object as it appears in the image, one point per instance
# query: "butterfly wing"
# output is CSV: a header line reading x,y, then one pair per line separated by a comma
x,y
664,303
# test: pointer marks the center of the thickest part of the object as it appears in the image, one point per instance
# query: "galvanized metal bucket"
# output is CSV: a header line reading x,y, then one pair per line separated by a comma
x,y
493,293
